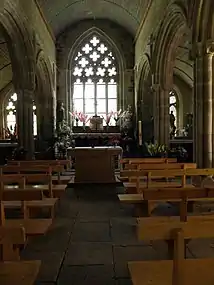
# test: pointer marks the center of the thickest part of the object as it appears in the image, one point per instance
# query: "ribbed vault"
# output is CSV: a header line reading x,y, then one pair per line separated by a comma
x,y
61,14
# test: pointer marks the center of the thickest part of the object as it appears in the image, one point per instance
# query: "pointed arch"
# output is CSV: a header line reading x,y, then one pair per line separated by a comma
x,y
203,21
170,35
144,96
20,46
116,58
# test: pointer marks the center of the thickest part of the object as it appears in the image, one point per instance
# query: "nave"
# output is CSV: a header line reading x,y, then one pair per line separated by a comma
x,y
93,237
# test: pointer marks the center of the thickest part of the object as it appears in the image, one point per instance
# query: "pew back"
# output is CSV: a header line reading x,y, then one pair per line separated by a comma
x,y
10,239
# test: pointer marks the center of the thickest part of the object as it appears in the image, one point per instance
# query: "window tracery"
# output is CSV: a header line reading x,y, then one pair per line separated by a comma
x,y
11,114
95,79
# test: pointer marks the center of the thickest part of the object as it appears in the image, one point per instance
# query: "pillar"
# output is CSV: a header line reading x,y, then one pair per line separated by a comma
x,y
207,111
45,118
25,121
203,107
161,114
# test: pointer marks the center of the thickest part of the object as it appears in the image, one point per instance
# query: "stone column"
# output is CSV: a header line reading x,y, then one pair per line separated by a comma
x,y
161,114
156,109
25,121
207,111
45,119
203,107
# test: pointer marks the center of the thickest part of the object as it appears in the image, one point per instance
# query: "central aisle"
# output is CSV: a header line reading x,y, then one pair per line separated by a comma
x,y
92,239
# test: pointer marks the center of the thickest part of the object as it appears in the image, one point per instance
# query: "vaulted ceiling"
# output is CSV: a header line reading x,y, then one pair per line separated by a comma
x,y
62,13
5,65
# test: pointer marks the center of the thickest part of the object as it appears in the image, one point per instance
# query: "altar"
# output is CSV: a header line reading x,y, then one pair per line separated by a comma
x,y
94,164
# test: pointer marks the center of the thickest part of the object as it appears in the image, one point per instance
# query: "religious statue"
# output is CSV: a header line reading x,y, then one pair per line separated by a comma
x,y
127,117
189,125
60,115
172,125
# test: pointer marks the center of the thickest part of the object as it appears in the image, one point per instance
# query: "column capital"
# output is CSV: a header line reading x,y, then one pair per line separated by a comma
x,y
209,47
156,87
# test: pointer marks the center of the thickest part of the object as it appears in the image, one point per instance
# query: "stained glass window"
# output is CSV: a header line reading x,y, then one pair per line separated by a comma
x,y
95,79
11,114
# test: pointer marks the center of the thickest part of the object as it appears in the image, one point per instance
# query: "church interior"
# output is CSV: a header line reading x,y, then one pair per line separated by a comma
x,y
106,142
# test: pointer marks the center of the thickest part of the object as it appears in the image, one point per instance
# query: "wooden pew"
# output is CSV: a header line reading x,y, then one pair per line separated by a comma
x,y
27,200
31,181
64,162
12,270
32,227
158,171
147,160
35,168
151,197
179,271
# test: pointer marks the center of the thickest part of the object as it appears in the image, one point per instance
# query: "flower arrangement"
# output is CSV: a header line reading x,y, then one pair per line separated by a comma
x,y
156,150
118,115
79,116
108,118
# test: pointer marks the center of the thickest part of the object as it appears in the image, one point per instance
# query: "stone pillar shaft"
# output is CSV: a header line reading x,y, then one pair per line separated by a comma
x,y
161,115
25,121
207,111
203,109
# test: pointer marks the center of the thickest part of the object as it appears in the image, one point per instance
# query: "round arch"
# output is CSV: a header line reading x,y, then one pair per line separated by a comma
x,y
120,60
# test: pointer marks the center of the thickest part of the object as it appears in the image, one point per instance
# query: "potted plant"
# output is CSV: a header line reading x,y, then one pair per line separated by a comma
x,y
156,150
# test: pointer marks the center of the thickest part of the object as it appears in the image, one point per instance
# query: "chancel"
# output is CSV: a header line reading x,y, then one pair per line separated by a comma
x,y
106,140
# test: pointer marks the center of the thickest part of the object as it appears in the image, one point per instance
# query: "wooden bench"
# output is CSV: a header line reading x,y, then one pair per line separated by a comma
x,y
31,181
27,200
126,175
179,271
32,227
12,270
64,162
147,160
182,174
151,197
34,168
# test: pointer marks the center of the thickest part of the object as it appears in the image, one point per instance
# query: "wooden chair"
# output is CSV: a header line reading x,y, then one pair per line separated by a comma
x,y
179,271
12,270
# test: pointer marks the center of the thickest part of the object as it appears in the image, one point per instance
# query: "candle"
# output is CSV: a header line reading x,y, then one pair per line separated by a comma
x,y
140,132
140,128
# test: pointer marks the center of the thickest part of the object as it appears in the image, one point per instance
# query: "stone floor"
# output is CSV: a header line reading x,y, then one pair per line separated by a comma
x,y
92,239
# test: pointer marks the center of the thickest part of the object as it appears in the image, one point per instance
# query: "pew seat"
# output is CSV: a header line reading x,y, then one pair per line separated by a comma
x,y
45,202
19,272
138,199
33,227
195,272
62,180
